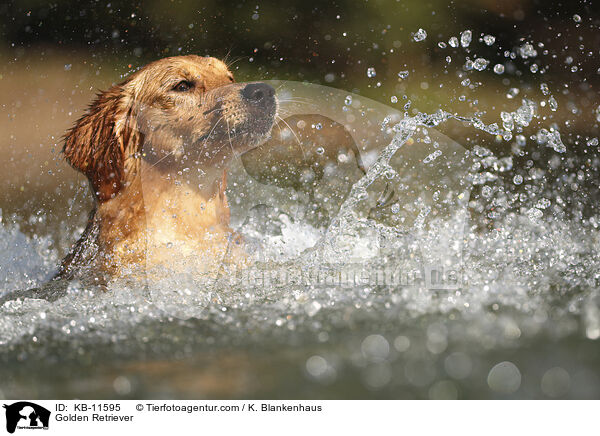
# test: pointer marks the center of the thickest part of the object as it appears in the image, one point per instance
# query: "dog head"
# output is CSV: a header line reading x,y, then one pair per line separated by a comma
x,y
184,110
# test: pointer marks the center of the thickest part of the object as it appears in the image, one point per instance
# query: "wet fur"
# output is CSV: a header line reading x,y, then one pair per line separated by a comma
x,y
130,145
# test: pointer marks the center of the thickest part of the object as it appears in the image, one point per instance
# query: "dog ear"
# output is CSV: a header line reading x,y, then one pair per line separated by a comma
x,y
101,142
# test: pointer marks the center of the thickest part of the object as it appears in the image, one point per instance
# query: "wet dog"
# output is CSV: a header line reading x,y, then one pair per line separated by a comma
x,y
155,149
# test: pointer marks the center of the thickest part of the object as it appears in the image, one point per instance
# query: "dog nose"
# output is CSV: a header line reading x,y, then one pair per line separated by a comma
x,y
258,93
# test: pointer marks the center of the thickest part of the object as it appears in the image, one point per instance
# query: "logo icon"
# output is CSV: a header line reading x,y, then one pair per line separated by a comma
x,y
26,415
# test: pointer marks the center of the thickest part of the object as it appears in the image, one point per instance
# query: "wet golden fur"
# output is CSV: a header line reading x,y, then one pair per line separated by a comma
x,y
155,149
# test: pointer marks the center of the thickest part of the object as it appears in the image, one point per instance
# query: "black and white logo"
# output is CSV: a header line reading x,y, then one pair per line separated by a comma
x,y
26,415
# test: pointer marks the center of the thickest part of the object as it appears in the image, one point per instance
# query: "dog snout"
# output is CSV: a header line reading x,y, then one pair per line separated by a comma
x,y
259,94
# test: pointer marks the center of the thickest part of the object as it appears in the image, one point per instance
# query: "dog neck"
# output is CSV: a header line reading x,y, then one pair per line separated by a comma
x,y
165,209
195,199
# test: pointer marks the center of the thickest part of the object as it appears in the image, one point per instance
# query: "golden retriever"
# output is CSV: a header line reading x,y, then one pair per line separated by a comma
x,y
155,149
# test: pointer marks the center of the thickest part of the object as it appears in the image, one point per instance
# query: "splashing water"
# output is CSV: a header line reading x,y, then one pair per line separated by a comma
x,y
439,272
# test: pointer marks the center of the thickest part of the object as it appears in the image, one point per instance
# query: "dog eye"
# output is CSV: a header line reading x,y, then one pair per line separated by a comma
x,y
183,86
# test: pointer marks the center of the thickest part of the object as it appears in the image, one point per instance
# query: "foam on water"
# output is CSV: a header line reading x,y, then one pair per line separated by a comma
x,y
534,263
24,262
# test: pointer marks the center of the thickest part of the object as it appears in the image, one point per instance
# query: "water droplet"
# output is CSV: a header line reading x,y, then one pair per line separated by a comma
x,y
401,343
403,74
592,142
489,39
527,51
523,115
453,41
465,38
394,99
420,35
384,123
432,156
518,179
348,100
534,214
551,138
512,92
316,366
375,348
577,18
442,44
480,64
371,72
504,378
498,68
543,203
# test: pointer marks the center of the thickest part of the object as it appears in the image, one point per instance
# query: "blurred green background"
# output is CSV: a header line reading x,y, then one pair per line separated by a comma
x,y
300,39
330,42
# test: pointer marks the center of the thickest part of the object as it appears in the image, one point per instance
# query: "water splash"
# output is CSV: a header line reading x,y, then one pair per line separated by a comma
x,y
513,267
